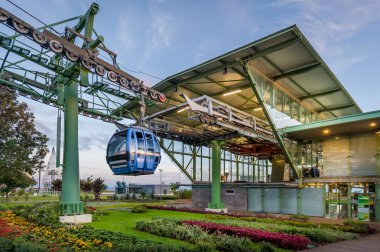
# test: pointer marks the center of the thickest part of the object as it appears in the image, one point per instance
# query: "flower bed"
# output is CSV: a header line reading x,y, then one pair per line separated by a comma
x,y
317,234
190,210
53,238
201,239
7,230
279,239
354,227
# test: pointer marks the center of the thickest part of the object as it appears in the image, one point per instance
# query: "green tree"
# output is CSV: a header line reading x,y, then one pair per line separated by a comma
x,y
22,146
86,187
174,188
56,185
98,187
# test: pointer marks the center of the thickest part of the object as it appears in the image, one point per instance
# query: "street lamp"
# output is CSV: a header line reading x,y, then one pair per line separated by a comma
x,y
160,183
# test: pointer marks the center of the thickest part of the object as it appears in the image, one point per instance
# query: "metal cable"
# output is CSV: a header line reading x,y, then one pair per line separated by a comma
x,y
130,70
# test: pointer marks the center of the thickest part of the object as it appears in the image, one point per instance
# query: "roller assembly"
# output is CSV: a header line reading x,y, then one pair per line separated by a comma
x,y
85,57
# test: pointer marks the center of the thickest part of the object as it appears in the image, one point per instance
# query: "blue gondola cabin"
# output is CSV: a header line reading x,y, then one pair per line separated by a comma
x,y
133,151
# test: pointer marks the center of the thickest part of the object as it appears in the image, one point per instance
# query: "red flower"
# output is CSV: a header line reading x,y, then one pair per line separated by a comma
x,y
283,240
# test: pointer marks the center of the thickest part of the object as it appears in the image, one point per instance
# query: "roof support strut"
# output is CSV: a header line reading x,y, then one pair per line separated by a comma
x,y
252,80
175,160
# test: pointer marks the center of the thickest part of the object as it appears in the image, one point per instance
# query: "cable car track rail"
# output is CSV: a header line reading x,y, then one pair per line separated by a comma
x,y
86,57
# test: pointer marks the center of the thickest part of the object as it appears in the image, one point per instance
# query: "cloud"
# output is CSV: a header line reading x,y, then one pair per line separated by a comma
x,y
161,31
330,25
334,21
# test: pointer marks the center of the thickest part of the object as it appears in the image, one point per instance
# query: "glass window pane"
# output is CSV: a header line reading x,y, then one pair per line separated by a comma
x,y
117,145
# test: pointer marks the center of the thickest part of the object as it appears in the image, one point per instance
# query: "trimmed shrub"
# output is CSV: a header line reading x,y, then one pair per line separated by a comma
x,y
266,247
22,244
139,209
6,245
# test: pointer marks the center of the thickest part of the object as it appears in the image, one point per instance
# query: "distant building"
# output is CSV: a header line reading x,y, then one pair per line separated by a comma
x,y
122,188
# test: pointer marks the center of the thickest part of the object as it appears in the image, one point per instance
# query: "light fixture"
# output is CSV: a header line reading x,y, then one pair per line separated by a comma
x,y
225,71
326,131
186,108
372,124
257,109
233,92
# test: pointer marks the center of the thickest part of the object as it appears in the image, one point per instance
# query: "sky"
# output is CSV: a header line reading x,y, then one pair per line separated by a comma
x,y
163,37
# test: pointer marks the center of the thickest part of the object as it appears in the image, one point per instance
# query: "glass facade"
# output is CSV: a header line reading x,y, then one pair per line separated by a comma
x,y
339,156
234,167
350,200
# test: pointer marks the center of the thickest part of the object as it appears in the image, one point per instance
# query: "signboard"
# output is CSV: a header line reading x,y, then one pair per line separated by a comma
x,y
363,208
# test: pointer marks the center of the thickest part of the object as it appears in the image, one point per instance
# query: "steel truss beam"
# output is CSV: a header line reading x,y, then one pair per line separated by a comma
x,y
323,93
180,166
298,71
254,55
329,109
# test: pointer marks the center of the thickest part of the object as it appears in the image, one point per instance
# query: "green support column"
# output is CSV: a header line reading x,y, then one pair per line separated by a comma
x,y
58,147
349,201
253,169
377,206
299,201
377,185
194,163
216,202
70,198
324,198
237,169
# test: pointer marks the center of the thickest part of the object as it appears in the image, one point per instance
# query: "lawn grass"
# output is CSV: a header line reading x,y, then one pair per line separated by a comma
x,y
125,222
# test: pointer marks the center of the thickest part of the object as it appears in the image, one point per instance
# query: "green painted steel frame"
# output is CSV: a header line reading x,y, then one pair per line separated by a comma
x,y
70,203
216,198
194,170
252,80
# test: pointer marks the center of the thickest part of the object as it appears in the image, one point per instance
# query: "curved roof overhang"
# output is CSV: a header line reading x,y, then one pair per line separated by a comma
x,y
285,57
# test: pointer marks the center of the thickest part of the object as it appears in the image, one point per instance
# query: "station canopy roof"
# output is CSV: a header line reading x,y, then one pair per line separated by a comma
x,y
359,123
285,57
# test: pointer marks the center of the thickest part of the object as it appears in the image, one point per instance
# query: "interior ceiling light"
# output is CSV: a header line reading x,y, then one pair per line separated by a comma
x,y
186,108
225,71
326,131
233,92
372,124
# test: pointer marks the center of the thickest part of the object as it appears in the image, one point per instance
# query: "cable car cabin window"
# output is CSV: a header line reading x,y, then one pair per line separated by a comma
x,y
157,147
150,144
132,147
117,145
140,145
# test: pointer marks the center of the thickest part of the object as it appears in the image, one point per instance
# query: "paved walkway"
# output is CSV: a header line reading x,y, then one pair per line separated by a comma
x,y
367,243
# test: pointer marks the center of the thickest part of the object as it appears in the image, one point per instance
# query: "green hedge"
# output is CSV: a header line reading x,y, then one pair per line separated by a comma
x,y
20,244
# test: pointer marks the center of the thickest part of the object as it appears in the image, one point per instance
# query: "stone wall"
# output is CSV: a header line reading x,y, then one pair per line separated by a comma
x,y
234,198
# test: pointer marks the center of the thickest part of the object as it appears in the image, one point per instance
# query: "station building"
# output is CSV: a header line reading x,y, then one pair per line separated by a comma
x,y
268,127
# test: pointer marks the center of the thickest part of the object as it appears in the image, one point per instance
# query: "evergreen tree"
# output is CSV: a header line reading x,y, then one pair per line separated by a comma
x,y
22,146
